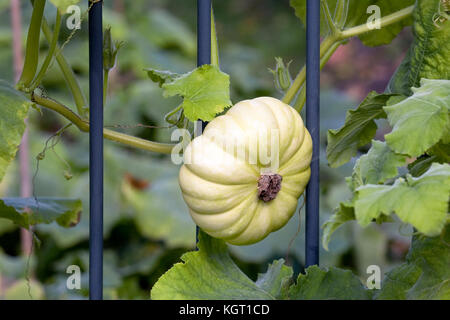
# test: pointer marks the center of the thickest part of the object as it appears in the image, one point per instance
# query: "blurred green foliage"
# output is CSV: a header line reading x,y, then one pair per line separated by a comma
x,y
146,224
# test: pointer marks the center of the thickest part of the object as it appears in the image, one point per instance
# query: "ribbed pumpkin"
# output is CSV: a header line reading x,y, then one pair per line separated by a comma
x,y
243,176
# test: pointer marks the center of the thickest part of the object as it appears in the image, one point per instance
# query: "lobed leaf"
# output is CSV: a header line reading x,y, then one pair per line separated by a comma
x,y
357,15
425,274
422,201
358,130
210,273
330,284
205,92
376,166
344,213
161,76
429,55
421,120
12,123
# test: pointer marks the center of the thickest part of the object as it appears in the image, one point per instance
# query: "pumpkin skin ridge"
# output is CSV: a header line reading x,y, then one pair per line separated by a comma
x,y
305,150
192,168
283,192
268,106
284,147
223,208
288,214
235,240
297,139
242,161
276,120
290,191
248,217
254,167
296,132
254,104
302,176
191,193
232,239
251,219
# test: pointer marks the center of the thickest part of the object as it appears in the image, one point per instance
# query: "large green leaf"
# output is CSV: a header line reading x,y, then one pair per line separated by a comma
x,y
345,212
384,35
422,201
376,166
425,274
422,164
62,5
329,284
441,151
12,126
357,15
358,130
210,273
205,92
161,76
421,120
27,212
429,55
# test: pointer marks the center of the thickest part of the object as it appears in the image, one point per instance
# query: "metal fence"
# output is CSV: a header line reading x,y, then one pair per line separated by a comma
x,y
203,57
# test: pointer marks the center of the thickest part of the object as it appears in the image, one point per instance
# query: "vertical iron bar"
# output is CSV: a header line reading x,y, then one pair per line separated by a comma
x,y
312,123
203,45
96,152
203,32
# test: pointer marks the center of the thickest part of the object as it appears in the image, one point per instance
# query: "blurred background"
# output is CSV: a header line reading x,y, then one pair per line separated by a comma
x,y
146,225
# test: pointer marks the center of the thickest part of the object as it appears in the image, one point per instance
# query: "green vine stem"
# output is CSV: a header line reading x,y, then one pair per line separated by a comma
x,y
301,99
168,116
330,44
214,42
300,79
340,16
330,21
112,135
105,86
51,52
69,76
384,22
32,47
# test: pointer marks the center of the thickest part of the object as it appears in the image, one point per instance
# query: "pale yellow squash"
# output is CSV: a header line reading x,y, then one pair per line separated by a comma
x,y
231,176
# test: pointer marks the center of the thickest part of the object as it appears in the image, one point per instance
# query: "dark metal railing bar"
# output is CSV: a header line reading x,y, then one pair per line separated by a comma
x,y
203,46
95,152
313,125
